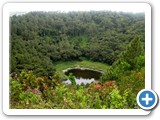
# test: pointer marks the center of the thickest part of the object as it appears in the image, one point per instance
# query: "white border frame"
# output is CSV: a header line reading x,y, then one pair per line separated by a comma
x,y
8,7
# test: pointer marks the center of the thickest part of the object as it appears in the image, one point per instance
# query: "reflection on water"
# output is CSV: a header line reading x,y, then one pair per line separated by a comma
x,y
80,81
83,75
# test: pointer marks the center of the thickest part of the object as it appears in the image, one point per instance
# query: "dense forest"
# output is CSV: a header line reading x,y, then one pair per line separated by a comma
x,y
42,43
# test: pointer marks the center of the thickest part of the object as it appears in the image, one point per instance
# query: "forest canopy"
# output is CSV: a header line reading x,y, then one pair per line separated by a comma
x,y
38,39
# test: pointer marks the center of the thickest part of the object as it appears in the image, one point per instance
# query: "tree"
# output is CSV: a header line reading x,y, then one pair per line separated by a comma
x,y
133,51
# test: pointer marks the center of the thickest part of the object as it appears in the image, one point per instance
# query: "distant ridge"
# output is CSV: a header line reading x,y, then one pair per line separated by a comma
x,y
16,13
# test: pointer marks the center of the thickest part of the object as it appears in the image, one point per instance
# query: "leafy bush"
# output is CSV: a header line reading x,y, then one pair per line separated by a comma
x,y
15,90
135,80
72,79
140,62
29,98
28,91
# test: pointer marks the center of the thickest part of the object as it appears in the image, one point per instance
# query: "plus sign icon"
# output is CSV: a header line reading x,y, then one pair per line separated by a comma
x,y
147,99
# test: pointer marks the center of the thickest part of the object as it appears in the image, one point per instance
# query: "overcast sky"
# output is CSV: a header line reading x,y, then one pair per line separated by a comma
x,y
66,7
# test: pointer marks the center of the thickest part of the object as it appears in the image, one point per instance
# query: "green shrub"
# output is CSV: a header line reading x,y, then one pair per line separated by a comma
x,y
72,79
62,96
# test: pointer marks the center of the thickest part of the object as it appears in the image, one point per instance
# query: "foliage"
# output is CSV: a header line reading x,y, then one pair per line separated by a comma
x,y
71,97
28,97
121,69
39,39
45,43
15,90
140,62
72,79
134,50
135,80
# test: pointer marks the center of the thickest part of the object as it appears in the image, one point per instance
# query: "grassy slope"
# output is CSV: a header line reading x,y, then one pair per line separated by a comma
x,y
84,64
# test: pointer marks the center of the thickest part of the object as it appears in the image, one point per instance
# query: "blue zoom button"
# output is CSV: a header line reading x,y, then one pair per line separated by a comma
x,y
147,99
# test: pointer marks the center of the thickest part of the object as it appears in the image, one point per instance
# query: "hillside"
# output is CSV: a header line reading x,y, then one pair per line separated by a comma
x,y
43,44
